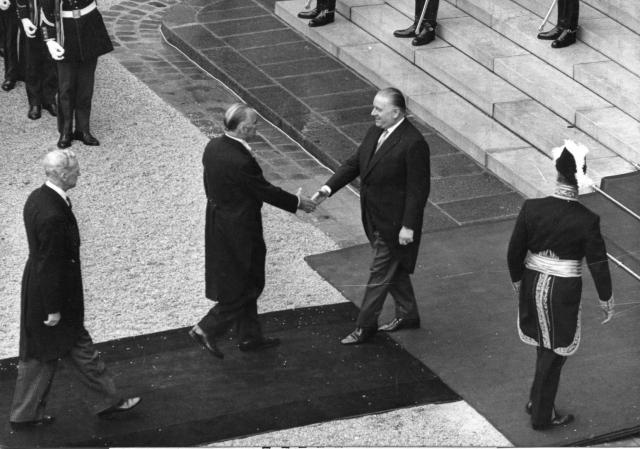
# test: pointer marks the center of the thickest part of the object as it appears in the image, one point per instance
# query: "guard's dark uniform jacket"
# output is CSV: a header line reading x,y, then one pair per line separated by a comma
x,y
84,37
551,237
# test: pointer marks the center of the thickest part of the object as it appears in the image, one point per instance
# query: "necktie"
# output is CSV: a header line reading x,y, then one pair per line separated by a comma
x,y
382,138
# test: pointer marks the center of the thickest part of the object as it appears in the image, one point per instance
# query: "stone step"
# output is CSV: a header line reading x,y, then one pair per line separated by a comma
x,y
549,86
332,37
467,78
613,40
543,129
613,128
606,79
627,12
510,166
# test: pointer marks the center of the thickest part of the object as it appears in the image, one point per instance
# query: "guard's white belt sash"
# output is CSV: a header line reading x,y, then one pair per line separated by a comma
x,y
554,267
77,13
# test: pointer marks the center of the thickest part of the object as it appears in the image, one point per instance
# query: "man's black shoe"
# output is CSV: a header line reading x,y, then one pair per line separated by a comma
x,y
7,85
51,108
427,34
400,323
358,336
557,421
206,342
24,425
568,37
64,141
311,14
407,32
325,17
86,138
35,112
551,34
257,345
123,406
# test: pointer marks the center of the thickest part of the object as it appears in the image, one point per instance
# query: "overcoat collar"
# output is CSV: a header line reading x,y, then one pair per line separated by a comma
x,y
386,147
237,144
57,199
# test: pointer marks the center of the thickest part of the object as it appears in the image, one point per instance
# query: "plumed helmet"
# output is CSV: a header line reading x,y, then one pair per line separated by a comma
x,y
570,160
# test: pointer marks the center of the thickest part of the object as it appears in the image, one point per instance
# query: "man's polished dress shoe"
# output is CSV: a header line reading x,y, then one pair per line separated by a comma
x,y
557,421
86,138
407,32
551,34
24,425
258,344
51,108
325,17
202,339
427,34
568,37
123,406
311,14
64,141
358,336
400,323
35,112
7,85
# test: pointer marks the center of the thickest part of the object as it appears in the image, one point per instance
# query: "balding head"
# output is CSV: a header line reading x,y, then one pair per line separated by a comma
x,y
61,168
240,120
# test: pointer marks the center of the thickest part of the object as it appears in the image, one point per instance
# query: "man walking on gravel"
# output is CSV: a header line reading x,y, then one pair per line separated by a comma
x,y
52,306
235,250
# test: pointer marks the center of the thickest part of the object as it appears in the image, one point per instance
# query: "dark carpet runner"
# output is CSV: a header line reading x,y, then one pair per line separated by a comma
x,y
190,397
469,336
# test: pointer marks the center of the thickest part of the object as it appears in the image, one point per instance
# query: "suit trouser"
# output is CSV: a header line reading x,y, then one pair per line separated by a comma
x,y
430,15
568,12
35,378
40,72
9,28
387,276
243,311
75,91
545,385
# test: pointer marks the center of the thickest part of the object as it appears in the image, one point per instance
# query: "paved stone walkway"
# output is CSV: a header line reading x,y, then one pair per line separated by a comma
x,y
321,103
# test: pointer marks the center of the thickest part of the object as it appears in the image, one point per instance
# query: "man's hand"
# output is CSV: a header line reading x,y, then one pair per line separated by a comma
x,y
29,27
56,51
608,309
307,205
516,289
406,236
52,319
4,5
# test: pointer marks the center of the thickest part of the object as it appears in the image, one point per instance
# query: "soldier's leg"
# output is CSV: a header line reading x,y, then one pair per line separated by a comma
x,y
84,94
32,389
9,26
67,79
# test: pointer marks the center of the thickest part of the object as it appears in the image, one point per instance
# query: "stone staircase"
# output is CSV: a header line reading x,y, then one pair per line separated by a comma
x,y
492,88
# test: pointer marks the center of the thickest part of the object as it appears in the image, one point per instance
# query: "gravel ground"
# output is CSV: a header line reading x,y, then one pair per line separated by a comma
x,y
140,206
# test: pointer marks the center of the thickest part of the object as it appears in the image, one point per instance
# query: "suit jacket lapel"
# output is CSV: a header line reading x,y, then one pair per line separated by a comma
x,y
387,145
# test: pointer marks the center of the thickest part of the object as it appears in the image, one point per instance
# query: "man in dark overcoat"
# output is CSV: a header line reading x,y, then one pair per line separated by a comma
x,y
52,305
235,250
551,237
393,164
76,36
40,71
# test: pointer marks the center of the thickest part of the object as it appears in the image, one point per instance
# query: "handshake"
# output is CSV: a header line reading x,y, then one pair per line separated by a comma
x,y
309,204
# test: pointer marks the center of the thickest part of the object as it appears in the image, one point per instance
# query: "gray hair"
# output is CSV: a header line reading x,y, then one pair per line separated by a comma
x,y
56,161
236,114
396,98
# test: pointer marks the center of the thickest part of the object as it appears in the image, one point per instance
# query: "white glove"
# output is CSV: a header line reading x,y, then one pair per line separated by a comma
x,y
607,308
56,51
4,5
29,27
